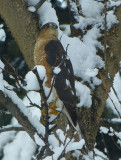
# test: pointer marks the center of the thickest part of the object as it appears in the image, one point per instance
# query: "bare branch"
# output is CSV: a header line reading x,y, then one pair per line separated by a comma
x,y
39,4
12,128
6,102
105,146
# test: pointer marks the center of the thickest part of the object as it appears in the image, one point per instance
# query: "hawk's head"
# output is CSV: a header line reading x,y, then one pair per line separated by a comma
x,y
49,30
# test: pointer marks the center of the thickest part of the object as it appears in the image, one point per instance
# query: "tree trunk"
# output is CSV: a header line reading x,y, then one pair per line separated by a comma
x,y
23,25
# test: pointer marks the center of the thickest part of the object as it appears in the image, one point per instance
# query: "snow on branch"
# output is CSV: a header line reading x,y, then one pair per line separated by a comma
x,y
42,135
15,106
11,128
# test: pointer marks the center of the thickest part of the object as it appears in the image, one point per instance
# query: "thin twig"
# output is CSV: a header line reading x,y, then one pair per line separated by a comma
x,y
116,143
39,4
4,112
105,33
109,95
53,82
33,104
105,146
61,155
6,129
112,137
116,94
110,120
41,153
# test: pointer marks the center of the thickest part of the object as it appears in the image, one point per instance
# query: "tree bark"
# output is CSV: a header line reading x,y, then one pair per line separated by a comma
x,y
91,117
23,25
24,28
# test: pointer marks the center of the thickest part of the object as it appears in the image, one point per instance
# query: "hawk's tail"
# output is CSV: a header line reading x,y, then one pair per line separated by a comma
x,y
75,119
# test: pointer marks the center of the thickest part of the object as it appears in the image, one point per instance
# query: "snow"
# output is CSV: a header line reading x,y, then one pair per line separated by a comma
x,y
113,3
32,9
35,99
104,130
82,54
53,141
38,140
61,135
1,76
83,93
115,120
88,157
96,81
111,19
101,155
66,29
62,3
56,70
2,35
1,26
117,81
16,100
75,145
47,90
41,71
5,138
110,105
115,98
14,150
13,144
45,17
67,127
91,8
91,73
49,15
57,152
31,81
76,154
119,138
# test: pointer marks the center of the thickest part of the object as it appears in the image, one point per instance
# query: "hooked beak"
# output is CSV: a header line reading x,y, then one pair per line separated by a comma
x,y
56,26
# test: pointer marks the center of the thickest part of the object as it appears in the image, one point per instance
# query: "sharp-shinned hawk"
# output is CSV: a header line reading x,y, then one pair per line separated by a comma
x,y
50,53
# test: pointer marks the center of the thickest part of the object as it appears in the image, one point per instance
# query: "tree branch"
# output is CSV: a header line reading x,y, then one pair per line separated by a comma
x,y
16,112
12,128
91,116
39,4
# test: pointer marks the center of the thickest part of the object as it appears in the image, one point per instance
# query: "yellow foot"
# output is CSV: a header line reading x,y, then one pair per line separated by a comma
x,y
52,111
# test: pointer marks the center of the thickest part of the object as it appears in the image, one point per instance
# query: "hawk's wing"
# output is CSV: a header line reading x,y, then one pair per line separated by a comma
x,y
64,81
55,52
56,55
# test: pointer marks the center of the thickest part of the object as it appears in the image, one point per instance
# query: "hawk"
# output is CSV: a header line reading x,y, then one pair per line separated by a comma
x,y
50,53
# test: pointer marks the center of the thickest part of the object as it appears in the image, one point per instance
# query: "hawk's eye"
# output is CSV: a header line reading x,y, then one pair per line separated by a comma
x,y
47,26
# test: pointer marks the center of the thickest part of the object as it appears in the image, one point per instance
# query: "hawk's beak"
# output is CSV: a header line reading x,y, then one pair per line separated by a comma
x,y
56,26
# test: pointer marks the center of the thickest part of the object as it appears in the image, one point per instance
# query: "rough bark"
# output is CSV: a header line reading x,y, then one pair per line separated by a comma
x,y
91,117
24,28
23,25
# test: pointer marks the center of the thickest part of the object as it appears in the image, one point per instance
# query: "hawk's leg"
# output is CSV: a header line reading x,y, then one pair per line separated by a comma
x,y
53,110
